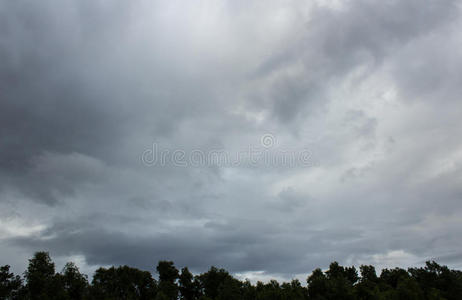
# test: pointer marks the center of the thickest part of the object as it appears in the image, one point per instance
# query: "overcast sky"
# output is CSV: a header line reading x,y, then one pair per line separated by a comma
x,y
337,126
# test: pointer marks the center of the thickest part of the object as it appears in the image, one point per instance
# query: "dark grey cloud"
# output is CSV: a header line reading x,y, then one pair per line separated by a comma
x,y
370,90
241,245
336,42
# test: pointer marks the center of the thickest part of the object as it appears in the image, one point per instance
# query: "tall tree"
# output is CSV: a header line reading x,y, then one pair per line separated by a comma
x,y
75,283
318,287
41,280
187,285
293,291
211,281
10,285
168,275
367,288
438,281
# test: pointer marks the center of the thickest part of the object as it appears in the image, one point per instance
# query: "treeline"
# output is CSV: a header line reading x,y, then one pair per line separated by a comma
x,y
40,281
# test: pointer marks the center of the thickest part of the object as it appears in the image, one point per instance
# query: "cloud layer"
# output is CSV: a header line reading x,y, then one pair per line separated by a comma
x,y
369,90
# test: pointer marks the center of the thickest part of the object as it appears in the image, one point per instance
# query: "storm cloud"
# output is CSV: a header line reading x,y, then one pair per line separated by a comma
x,y
363,96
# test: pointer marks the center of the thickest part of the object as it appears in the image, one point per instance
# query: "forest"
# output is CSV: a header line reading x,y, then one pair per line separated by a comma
x,y
41,281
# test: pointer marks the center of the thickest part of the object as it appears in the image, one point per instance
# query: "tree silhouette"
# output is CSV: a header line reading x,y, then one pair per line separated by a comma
x,y
75,283
41,280
123,283
10,285
212,280
168,276
189,286
432,282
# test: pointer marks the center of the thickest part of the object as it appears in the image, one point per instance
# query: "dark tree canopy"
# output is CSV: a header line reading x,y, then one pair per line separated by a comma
x,y
74,283
41,280
168,275
10,284
188,285
123,283
432,282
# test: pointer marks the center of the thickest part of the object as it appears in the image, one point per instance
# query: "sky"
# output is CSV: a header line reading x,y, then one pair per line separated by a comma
x,y
268,138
